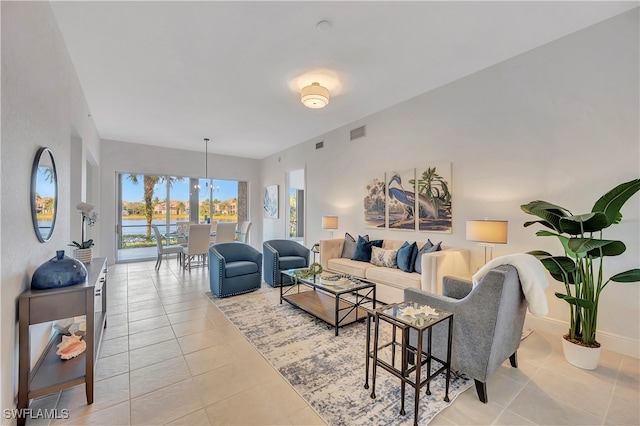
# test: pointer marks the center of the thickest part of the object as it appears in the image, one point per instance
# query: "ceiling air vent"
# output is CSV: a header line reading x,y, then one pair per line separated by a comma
x,y
358,132
319,145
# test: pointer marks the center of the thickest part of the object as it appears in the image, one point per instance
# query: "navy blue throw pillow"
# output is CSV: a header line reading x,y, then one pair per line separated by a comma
x,y
428,247
407,256
363,249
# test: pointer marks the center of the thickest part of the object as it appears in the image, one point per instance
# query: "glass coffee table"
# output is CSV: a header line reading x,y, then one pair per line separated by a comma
x,y
337,299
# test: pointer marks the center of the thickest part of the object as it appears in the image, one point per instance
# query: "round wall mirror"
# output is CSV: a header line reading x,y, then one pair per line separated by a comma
x,y
44,194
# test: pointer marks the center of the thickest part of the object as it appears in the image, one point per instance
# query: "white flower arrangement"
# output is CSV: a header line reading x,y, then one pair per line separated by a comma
x,y
90,217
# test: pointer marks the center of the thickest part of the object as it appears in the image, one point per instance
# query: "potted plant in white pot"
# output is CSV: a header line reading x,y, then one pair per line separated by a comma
x,y
83,251
581,267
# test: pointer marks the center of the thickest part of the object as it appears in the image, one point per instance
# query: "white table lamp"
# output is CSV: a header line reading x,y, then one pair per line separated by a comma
x,y
330,222
487,233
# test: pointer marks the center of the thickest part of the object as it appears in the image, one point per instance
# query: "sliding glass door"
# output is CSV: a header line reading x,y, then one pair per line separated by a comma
x,y
147,200
163,200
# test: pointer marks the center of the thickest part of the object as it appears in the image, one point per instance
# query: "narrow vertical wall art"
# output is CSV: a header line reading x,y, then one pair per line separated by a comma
x,y
375,203
270,202
401,203
433,187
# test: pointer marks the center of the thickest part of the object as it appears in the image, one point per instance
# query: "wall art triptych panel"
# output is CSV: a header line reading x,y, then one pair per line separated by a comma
x,y
375,207
433,187
413,200
401,200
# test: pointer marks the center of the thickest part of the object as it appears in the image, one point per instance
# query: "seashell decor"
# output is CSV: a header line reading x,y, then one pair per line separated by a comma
x,y
413,312
71,346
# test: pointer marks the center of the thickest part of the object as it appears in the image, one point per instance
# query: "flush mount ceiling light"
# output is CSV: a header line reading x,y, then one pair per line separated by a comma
x,y
314,96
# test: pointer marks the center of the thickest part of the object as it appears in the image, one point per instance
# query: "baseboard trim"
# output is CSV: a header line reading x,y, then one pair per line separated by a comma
x,y
609,341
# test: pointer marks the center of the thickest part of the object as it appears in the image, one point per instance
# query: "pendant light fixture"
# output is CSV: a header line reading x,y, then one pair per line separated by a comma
x,y
314,96
206,160
206,165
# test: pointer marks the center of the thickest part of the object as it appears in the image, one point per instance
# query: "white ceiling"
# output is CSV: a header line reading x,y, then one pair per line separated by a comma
x,y
172,73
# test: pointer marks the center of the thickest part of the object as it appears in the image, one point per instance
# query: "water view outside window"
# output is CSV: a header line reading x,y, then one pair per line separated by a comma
x,y
166,200
219,197
293,216
45,198
296,214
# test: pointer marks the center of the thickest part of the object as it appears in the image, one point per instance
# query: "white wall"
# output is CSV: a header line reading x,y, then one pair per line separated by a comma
x,y
128,157
41,102
296,179
558,123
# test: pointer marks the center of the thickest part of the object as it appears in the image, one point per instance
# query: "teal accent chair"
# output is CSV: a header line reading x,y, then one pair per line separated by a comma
x,y
281,255
234,268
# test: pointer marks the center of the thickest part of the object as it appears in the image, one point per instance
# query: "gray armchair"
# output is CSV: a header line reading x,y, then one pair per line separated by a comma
x,y
234,268
487,322
281,255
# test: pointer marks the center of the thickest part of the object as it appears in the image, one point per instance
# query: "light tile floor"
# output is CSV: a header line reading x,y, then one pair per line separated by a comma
x,y
169,356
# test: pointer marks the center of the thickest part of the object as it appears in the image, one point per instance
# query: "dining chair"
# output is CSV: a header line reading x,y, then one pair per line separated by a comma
x,y
214,226
226,232
243,233
182,227
162,249
197,245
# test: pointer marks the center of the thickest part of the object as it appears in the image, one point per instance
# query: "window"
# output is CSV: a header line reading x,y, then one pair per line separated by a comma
x,y
163,200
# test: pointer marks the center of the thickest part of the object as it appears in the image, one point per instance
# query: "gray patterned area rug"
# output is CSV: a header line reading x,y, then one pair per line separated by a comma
x,y
328,370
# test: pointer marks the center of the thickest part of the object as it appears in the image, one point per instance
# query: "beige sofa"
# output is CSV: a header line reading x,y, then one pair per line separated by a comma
x,y
391,282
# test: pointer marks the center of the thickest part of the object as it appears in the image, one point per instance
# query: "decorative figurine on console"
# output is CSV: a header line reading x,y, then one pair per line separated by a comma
x,y
59,271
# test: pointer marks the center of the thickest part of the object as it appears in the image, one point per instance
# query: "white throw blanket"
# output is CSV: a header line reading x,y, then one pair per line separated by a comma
x,y
533,279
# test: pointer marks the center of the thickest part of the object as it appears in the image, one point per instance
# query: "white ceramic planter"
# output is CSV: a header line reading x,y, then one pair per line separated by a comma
x,y
581,356
83,255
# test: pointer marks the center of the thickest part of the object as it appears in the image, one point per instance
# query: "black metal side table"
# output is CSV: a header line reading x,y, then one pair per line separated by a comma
x,y
420,322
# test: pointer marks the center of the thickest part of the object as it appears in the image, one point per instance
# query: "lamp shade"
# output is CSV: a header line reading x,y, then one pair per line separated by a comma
x,y
329,222
487,231
314,96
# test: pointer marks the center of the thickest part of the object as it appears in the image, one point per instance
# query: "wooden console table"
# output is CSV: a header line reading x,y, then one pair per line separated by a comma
x,y
50,373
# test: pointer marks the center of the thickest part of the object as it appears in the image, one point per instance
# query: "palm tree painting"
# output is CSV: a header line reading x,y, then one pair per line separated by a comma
x,y
401,200
434,198
374,204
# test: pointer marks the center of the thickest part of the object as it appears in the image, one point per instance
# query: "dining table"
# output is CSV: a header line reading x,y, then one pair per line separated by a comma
x,y
174,235
177,235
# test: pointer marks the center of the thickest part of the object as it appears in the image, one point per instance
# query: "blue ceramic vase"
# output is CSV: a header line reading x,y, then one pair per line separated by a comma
x,y
60,271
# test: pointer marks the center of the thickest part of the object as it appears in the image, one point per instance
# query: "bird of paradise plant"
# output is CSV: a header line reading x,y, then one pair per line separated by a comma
x,y
581,267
